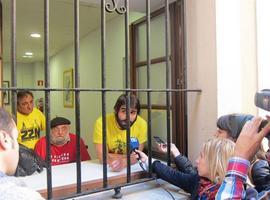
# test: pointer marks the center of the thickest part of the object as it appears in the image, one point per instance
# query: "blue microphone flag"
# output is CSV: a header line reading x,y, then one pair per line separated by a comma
x,y
134,143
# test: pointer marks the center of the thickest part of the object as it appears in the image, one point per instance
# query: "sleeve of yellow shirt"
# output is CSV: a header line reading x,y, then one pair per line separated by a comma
x,y
97,135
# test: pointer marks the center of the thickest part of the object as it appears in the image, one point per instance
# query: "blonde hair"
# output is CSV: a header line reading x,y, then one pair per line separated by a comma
x,y
217,152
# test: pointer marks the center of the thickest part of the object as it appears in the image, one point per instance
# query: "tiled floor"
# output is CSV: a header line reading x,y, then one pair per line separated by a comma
x,y
145,191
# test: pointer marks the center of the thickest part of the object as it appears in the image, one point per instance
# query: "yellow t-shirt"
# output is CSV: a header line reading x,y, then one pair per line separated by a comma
x,y
29,127
116,138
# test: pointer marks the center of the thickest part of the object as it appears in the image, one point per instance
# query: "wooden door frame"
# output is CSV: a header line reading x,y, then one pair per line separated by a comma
x,y
178,72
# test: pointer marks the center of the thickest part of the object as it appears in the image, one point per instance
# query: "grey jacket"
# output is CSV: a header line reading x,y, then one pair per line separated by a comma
x,y
11,188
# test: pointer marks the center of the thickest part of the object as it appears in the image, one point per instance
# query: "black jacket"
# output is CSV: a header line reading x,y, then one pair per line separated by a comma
x,y
29,162
185,177
260,174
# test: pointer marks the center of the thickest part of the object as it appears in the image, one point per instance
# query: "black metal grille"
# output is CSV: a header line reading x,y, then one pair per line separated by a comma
x,y
109,6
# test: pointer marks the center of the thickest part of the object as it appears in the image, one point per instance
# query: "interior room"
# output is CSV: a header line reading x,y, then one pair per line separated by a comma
x,y
217,61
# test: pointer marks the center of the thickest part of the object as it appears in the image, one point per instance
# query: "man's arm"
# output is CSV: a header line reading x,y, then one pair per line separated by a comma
x,y
116,161
245,148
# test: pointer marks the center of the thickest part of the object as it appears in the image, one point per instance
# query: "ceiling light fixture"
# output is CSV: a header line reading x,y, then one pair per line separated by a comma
x,y
25,56
35,35
28,53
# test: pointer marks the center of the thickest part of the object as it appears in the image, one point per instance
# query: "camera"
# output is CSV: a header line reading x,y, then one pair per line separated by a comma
x,y
262,99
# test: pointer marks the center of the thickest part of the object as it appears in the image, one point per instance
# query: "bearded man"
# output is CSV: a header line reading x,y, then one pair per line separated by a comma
x,y
116,125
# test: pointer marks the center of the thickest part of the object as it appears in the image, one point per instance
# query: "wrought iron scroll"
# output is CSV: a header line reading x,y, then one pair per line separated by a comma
x,y
113,6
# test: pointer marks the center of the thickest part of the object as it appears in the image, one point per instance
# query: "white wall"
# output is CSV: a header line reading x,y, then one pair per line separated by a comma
x,y
236,56
263,47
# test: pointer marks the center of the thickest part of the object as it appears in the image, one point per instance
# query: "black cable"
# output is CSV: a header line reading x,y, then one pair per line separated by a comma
x,y
165,189
141,165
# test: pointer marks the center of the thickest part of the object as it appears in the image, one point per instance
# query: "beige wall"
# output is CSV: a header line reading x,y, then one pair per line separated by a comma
x,y
222,61
201,69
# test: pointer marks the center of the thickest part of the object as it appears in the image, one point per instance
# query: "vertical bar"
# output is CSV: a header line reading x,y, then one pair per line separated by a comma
x,y
103,85
13,58
149,106
168,93
77,93
47,97
183,18
127,87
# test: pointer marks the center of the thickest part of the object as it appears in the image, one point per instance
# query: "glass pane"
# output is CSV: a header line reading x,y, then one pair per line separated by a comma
x,y
157,41
159,124
157,81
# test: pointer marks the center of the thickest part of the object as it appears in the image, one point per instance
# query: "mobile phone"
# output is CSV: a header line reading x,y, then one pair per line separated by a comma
x,y
159,140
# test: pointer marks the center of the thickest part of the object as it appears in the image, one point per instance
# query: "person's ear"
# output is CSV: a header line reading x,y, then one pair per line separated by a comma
x,y
5,140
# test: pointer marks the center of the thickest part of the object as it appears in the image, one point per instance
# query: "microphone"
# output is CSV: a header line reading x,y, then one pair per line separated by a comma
x,y
134,144
262,99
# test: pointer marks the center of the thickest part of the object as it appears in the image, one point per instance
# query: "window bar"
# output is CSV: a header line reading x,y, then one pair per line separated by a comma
x,y
183,15
47,97
127,84
103,85
149,106
168,93
13,58
77,92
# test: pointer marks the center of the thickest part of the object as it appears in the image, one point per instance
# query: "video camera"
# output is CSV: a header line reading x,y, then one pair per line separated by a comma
x,y
262,100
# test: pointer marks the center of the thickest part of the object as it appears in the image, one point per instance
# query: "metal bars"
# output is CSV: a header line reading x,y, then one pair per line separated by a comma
x,y
47,97
103,85
149,107
110,8
168,93
127,85
13,57
77,93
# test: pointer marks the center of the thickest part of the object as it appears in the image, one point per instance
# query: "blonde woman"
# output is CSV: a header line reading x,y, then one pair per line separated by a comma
x,y
202,182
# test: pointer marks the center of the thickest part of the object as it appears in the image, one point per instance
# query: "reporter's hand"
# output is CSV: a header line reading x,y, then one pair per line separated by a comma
x,y
249,139
143,156
174,150
162,147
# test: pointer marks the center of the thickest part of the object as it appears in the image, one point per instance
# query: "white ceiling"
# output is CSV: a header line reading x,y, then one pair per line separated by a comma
x,y
61,30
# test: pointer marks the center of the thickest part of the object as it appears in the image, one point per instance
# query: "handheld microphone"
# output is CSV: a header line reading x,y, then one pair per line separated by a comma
x,y
134,144
262,99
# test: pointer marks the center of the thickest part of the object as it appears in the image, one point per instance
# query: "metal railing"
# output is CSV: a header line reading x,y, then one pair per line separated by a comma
x,y
109,6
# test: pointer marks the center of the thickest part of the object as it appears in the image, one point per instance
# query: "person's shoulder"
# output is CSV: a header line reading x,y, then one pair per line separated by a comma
x,y
14,188
72,136
37,111
141,120
41,140
109,116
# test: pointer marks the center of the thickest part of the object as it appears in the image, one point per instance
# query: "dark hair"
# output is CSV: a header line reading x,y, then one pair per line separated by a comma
x,y
24,93
233,123
122,100
6,122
